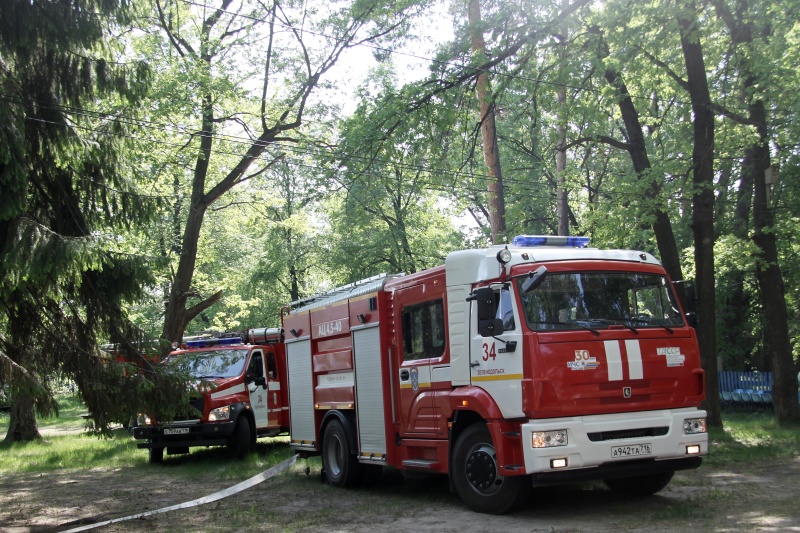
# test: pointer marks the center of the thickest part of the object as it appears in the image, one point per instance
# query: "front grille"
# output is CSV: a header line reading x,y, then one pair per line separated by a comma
x,y
196,403
620,434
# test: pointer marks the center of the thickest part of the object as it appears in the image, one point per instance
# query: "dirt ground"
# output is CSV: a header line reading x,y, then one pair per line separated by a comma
x,y
761,497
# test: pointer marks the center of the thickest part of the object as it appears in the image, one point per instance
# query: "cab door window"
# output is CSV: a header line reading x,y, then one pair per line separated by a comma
x,y
423,330
505,309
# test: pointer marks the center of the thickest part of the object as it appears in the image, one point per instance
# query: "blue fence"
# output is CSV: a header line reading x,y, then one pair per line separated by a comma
x,y
745,390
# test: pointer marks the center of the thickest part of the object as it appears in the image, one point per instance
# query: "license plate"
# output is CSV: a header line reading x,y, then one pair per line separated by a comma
x,y
633,450
176,431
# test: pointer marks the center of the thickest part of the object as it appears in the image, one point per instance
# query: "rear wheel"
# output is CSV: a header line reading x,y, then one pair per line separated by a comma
x,y
639,485
476,475
241,441
339,463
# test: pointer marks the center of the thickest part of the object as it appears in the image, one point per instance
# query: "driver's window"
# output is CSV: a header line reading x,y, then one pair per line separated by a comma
x,y
505,309
423,330
256,368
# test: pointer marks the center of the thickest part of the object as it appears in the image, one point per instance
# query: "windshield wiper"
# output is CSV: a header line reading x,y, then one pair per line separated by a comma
x,y
649,323
581,326
617,322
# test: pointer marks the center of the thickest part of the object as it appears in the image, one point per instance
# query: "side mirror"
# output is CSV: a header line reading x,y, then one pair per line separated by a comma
x,y
258,381
485,300
535,279
691,298
688,290
490,327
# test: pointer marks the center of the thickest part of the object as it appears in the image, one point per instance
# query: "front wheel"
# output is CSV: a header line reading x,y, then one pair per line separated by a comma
x,y
156,455
476,475
639,485
241,441
340,465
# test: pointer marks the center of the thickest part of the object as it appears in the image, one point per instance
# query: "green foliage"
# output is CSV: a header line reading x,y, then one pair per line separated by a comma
x,y
389,213
65,282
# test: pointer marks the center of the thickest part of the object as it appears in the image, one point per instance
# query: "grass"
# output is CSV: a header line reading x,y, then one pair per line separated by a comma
x,y
747,437
74,449
66,446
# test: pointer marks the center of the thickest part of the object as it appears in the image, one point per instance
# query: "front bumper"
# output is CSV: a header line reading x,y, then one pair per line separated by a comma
x,y
198,434
592,439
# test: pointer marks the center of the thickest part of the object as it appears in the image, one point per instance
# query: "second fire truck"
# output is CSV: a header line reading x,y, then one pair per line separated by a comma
x,y
239,394
538,363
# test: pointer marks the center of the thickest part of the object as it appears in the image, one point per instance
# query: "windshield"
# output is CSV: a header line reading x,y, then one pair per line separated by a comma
x,y
598,299
209,364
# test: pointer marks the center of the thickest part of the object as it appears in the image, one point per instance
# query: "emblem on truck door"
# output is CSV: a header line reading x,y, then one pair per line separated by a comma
x,y
626,392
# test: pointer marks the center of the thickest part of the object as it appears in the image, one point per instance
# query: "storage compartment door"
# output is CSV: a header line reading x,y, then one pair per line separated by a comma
x,y
369,393
301,395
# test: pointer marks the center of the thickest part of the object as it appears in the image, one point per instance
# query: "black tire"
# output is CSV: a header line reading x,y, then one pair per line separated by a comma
x,y
339,463
156,455
241,442
639,485
475,475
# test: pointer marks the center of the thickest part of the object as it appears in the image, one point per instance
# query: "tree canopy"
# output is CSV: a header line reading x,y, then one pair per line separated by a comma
x,y
70,191
276,165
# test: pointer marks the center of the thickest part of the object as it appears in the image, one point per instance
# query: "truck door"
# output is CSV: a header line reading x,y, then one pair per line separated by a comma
x,y
256,379
421,338
496,361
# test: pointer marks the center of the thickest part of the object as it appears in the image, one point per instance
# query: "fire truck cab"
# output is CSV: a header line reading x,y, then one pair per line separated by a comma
x,y
239,395
541,362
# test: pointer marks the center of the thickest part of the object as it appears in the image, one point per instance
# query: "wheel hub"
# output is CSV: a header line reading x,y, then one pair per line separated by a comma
x,y
481,470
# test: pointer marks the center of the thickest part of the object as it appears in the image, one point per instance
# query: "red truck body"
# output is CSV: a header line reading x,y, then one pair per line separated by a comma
x,y
240,395
505,368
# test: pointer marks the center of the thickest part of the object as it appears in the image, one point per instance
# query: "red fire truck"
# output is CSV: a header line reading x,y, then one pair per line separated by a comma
x,y
541,362
240,395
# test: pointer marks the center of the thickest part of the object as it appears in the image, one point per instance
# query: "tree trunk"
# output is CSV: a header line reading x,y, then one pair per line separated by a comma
x,y
562,207
768,272
22,425
770,280
662,226
702,205
177,316
491,152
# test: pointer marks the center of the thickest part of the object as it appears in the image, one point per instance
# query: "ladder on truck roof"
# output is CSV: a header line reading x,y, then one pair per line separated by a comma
x,y
351,290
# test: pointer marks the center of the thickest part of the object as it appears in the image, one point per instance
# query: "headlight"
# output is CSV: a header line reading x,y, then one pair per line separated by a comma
x,y
549,439
692,426
504,256
220,413
143,420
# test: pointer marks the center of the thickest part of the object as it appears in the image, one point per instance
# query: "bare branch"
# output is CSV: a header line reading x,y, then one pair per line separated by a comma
x,y
200,307
177,42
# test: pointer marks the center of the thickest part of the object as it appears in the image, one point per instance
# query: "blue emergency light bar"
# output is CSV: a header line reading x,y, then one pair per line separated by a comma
x,y
204,343
200,343
550,240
